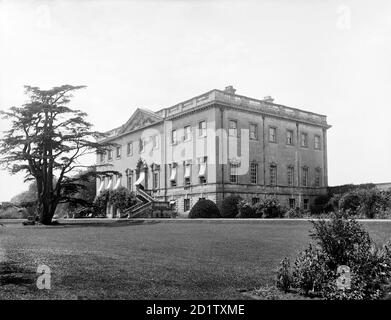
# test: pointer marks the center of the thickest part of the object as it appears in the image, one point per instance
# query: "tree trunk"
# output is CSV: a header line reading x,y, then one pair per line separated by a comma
x,y
47,210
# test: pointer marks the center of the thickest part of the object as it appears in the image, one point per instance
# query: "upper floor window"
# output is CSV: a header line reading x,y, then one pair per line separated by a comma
x,y
187,173
273,174
102,156
202,169
233,176
318,177
304,176
317,142
118,152
202,129
304,139
254,173
272,134
173,173
253,132
129,149
289,137
186,204
110,154
291,172
233,128
173,137
187,133
155,142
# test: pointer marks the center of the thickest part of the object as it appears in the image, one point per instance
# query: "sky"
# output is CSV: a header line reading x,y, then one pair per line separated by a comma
x,y
330,57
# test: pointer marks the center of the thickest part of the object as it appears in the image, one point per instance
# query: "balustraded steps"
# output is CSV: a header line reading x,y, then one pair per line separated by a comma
x,y
148,207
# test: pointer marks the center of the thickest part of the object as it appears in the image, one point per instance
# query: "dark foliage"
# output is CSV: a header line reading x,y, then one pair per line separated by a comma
x,y
121,198
230,207
339,242
45,140
246,210
204,208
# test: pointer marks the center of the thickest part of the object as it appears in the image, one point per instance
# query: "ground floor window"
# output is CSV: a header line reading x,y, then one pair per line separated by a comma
x,y
155,179
292,203
306,204
233,177
186,204
254,200
254,173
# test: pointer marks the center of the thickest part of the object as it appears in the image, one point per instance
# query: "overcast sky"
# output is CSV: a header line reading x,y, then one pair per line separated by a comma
x,y
330,57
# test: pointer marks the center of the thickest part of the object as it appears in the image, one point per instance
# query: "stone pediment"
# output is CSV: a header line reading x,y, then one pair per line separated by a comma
x,y
140,119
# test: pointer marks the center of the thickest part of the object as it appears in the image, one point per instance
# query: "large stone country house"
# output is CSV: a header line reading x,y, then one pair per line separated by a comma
x,y
218,144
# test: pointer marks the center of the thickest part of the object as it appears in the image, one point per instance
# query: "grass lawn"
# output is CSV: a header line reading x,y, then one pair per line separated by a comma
x,y
149,259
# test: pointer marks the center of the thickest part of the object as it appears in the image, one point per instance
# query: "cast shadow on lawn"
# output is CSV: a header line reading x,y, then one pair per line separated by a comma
x,y
111,224
11,274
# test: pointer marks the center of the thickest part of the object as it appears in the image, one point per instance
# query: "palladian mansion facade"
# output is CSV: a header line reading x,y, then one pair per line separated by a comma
x,y
217,144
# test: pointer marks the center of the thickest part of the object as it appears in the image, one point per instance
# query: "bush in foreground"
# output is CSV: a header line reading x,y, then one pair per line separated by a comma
x,y
338,242
204,208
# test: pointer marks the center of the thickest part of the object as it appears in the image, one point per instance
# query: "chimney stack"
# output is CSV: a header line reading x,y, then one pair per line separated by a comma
x,y
230,90
268,99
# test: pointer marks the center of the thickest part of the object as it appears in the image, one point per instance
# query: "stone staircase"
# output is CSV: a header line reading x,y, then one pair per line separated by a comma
x,y
148,207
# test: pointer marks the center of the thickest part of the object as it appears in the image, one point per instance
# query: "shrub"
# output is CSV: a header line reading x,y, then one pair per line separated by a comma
x,y
333,203
100,203
267,208
246,210
383,214
204,208
371,202
341,241
229,207
122,198
340,238
321,204
259,209
12,212
284,276
294,213
270,208
309,271
350,202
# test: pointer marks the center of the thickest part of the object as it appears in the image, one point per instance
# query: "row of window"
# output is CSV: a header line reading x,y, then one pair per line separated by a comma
x,y
173,177
187,132
290,175
292,203
253,134
232,131
202,169
289,138
155,142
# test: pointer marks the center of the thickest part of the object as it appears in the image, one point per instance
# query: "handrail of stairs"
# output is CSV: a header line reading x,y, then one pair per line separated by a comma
x,y
144,194
138,210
